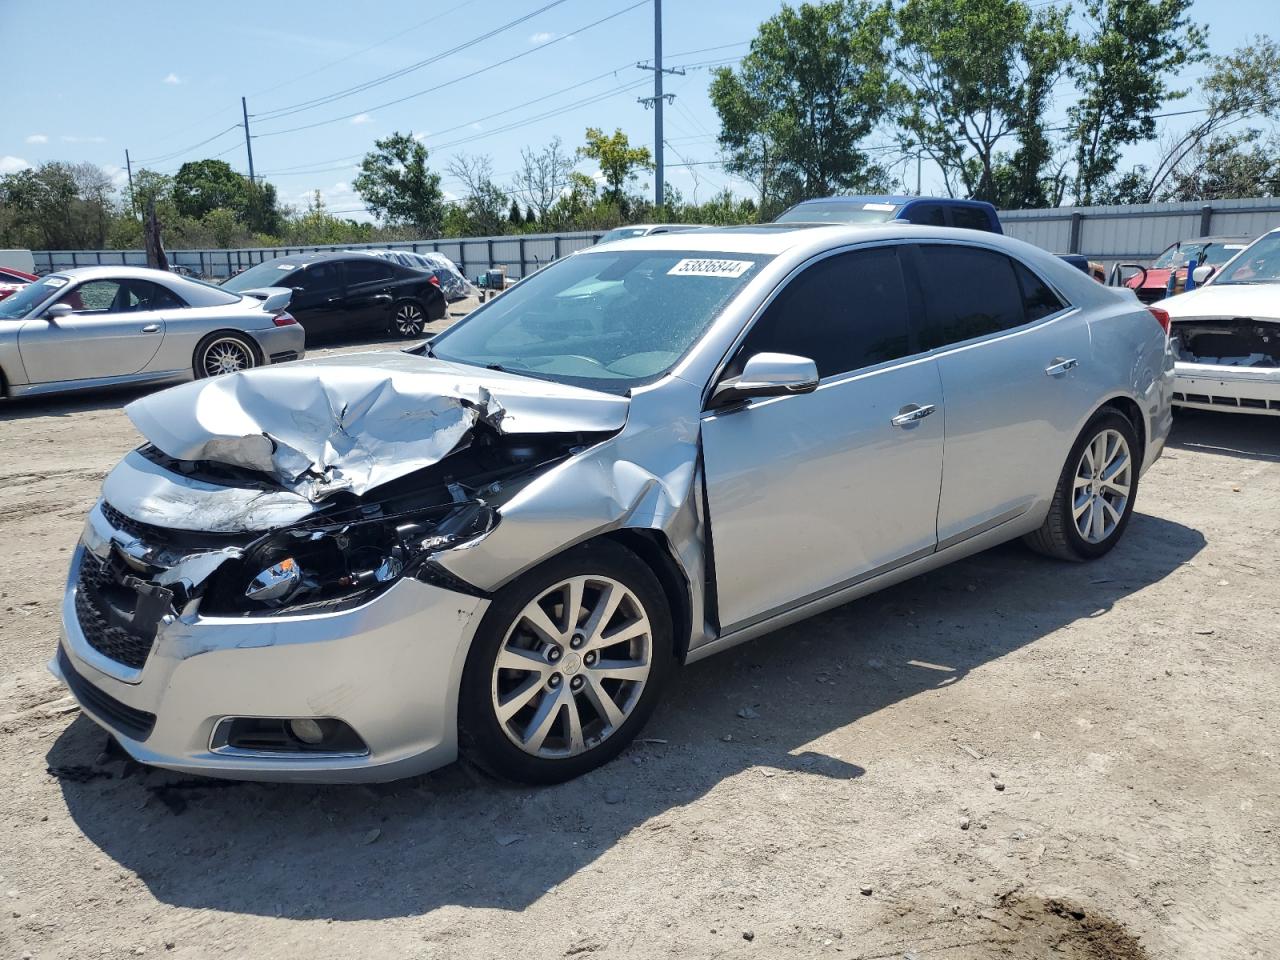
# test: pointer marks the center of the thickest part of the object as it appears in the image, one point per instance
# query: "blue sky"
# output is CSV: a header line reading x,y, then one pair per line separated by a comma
x,y
158,79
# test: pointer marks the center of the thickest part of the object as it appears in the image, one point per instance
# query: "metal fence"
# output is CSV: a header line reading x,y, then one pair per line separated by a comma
x,y
520,255
1114,233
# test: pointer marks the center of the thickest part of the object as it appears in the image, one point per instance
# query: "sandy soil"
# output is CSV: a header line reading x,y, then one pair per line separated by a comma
x,y
1009,758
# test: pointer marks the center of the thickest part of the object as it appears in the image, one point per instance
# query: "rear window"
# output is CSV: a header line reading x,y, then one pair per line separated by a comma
x,y
819,211
968,292
270,273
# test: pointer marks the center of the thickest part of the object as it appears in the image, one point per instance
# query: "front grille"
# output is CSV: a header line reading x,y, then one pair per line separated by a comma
x,y
133,723
106,625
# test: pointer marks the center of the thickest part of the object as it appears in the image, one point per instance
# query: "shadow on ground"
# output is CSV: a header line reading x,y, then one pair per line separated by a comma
x,y
1249,436
456,837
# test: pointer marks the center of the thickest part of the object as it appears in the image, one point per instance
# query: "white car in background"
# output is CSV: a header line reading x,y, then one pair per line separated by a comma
x,y
1226,333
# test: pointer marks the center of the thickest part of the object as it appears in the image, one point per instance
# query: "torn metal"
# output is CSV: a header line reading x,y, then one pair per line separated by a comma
x,y
356,422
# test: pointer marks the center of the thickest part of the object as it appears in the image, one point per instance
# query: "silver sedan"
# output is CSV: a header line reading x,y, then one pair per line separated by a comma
x,y
506,540
99,326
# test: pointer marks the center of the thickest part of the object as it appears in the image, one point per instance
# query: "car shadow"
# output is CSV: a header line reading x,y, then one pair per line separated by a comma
x,y
1248,436
457,837
72,404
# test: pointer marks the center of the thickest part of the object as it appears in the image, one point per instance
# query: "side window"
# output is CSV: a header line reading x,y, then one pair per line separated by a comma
x,y
1038,297
845,312
145,295
321,278
928,214
368,271
968,292
94,296
970,218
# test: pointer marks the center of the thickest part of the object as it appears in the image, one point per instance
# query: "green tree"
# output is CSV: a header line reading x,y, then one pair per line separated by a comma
x,y
397,187
814,85
204,185
980,73
57,206
619,162
1123,73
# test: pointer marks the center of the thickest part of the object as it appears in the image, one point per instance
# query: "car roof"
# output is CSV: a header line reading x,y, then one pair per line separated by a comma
x,y
896,199
194,292
1214,239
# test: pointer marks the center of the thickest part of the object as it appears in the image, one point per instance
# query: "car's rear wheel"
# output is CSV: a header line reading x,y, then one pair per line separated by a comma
x,y
408,319
566,667
221,353
1094,497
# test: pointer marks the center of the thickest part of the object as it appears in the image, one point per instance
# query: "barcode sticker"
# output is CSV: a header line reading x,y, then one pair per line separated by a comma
x,y
884,207
711,268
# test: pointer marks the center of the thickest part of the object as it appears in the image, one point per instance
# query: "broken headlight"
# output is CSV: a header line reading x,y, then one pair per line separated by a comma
x,y
340,564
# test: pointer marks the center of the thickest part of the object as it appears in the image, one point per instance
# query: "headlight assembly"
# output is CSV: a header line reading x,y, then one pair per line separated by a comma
x,y
339,564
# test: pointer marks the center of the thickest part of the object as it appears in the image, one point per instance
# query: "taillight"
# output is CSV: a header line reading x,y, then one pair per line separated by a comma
x,y
1162,318
434,279
285,318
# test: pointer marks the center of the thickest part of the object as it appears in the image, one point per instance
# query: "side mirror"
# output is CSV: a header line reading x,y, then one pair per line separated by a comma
x,y
768,375
58,311
1203,273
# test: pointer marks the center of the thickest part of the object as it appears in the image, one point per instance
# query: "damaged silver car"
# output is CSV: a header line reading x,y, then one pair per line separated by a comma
x,y
505,541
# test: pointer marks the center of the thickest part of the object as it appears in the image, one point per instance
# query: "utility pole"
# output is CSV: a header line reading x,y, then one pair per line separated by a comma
x,y
133,197
657,100
248,146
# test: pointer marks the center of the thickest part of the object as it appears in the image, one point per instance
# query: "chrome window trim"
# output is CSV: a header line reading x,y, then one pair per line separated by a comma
x,y
1068,310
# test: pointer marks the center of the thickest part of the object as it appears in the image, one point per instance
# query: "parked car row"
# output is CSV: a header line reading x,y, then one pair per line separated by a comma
x,y
506,538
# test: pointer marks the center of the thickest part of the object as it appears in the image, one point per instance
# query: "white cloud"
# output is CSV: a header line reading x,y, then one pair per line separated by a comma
x,y
119,175
173,80
65,138
422,136
38,138
360,118
12,165
541,37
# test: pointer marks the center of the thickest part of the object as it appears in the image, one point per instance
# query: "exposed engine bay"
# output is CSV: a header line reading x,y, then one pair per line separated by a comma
x,y
1238,342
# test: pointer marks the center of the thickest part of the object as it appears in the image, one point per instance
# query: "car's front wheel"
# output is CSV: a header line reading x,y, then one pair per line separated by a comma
x,y
1093,500
566,666
408,319
224,353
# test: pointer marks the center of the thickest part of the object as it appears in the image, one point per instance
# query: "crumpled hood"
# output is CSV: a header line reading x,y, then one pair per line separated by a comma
x,y
1259,301
356,421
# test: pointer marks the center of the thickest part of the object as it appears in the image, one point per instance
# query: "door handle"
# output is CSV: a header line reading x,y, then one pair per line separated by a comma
x,y
151,328
334,300
912,413
1061,365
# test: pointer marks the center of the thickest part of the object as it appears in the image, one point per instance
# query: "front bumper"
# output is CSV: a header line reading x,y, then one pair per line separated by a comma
x,y
282,344
1204,386
389,668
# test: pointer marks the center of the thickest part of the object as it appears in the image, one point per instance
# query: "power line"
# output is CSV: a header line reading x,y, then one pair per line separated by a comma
x,y
403,71
194,146
447,83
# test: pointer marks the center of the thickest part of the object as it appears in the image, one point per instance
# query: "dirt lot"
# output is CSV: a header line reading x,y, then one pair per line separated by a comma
x,y
1007,758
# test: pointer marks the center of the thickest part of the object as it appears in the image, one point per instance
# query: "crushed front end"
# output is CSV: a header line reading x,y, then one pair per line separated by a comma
x,y
1227,363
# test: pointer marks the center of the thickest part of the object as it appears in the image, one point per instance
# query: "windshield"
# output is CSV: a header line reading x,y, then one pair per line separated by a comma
x,y
30,297
1214,254
840,212
607,321
623,233
1259,263
268,274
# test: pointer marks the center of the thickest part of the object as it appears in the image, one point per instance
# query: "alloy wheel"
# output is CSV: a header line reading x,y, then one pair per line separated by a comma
x,y
572,667
409,320
227,355
1103,480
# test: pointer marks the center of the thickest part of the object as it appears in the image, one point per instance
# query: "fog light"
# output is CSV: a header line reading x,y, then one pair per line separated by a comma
x,y
308,731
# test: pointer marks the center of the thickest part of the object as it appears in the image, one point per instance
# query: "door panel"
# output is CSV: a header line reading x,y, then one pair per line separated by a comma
x,y
318,302
107,336
805,493
369,295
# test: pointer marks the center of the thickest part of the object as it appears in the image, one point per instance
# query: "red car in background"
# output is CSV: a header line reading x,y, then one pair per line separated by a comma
x,y
1152,283
11,281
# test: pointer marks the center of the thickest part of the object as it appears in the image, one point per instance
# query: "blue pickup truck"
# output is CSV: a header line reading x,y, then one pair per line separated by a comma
x,y
930,211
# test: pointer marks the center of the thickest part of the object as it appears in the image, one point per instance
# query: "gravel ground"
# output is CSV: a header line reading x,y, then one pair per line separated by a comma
x,y
1007,758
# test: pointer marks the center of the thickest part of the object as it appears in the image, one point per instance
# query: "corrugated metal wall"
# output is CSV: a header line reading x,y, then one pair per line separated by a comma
x,y
1130,233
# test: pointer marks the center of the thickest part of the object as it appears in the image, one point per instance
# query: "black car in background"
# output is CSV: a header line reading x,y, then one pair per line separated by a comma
x,y
345,294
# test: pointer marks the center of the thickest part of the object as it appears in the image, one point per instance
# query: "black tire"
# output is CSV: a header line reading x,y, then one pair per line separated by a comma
x,y
483,736
1059,536
408,319
205,361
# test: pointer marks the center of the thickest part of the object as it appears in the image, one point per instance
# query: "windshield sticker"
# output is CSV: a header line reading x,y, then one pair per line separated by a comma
x,y
55,282
1234,246
885,207
711,268
284,266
